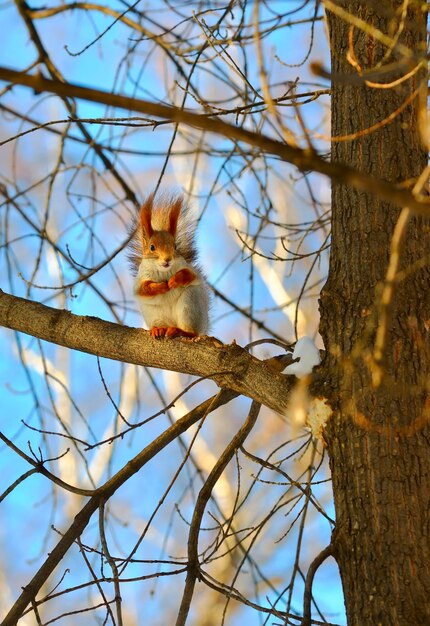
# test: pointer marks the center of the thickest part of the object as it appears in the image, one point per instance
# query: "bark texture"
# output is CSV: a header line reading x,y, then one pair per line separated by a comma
x,y
379,437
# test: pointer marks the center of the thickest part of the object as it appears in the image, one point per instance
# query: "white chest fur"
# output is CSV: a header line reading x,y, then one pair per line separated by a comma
x,y
182,307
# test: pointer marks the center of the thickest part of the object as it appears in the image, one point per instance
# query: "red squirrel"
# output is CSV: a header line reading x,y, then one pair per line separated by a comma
x,y
171,289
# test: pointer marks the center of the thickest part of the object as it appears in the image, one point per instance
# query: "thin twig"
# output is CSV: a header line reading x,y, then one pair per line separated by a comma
x,y
307,597
199,509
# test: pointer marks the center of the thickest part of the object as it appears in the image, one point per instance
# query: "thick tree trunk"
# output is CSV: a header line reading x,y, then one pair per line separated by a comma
x,y
379,437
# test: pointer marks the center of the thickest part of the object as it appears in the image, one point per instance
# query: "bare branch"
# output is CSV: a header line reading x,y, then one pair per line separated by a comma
x,y
102,494
303,159
193,571
307,599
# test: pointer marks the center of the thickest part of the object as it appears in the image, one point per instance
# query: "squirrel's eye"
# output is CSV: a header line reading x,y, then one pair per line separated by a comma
x,y
152,247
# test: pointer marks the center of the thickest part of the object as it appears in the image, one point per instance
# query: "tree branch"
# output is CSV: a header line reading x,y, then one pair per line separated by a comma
x,y
303,159
193,568
81,520
230,366
313,567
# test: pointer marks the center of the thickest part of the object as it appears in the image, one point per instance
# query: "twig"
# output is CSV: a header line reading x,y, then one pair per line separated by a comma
x,y
202,500
111,562
302,159
81,520
307,597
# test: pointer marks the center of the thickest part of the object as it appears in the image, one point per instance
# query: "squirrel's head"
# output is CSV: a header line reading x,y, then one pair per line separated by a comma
x,y
166,224
159,231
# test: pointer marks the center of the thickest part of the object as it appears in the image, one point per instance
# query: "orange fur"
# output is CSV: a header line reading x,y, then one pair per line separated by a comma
x,y
158,331
165,223
145,218
148,288
174,212
182,278
172,331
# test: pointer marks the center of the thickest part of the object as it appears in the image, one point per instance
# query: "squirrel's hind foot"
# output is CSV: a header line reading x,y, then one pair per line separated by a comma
x,y
158,331
172,331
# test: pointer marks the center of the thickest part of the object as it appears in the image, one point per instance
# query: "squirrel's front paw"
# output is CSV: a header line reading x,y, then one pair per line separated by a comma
x,y
181,279
149,288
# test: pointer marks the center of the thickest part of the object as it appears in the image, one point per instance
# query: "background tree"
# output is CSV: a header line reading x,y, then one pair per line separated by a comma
x,y
147,496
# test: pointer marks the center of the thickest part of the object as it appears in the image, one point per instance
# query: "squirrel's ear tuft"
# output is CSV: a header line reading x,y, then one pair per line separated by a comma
x,y
174,211
145,217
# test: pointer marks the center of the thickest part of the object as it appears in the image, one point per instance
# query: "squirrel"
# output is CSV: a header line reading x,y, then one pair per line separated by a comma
x,y
170,287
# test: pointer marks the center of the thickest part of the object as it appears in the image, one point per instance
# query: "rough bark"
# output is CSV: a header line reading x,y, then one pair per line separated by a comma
x,y
379,438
